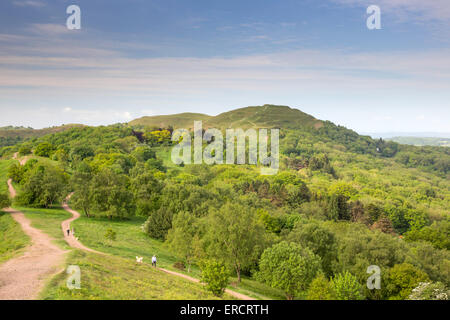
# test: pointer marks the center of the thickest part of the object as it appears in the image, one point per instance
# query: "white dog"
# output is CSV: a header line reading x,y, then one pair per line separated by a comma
x,y
139,259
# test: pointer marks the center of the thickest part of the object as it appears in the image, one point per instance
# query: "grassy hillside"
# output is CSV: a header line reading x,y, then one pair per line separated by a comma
x,y
4,166
267,116
116,278
12,135
12,238
105,277
181,120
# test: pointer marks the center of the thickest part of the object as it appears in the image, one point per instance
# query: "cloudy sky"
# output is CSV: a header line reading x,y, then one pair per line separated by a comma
x,y
144,57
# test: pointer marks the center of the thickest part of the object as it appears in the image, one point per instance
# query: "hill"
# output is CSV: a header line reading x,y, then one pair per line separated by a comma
x,y
180,120
267,116
11,135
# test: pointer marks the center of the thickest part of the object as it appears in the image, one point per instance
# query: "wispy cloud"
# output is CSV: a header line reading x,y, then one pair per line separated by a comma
x,y
422,10
29,3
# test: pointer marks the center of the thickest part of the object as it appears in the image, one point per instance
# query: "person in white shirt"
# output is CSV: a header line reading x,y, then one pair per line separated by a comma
x,y
154,261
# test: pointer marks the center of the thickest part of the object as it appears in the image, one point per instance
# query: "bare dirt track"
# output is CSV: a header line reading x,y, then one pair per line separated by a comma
x,y
22,278
71,238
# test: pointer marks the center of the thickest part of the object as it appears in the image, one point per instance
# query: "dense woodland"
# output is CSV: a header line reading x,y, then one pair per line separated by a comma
x,y
340,203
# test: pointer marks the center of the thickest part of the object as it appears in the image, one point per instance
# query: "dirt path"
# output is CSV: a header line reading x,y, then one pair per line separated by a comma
x,y
21,161
22,278
73,242
230,292
71,239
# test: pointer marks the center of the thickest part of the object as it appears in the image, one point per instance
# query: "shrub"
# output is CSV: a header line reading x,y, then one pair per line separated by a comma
x,y
24,150
179,265
347,287
401,280
321,289
4,200
288,267
215,276
430,291
44,149
158,223
110,234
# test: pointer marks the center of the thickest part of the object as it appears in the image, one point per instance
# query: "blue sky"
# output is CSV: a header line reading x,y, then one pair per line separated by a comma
x,y
142,57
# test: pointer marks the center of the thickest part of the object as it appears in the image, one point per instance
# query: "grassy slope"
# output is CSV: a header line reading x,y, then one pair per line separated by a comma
x,y
12,239
267,116
49,221
25,133
132,242
4,166
182,120
109,277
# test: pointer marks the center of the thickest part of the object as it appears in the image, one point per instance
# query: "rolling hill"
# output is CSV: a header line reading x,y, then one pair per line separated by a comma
x,y
11,135
267,116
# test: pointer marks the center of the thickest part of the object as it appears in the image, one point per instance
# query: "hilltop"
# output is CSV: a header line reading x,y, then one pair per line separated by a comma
x,y
267,116
11,135
180,120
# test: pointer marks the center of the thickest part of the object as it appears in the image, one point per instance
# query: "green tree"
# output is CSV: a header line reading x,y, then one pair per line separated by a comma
x,y
81,183
338,208
215,275
143,153
182,237
321,289
24,150
158,223
347,287
16,172
4,201
321,241
289,267
110,194
45,186
401,280
235,236
430,291
44,149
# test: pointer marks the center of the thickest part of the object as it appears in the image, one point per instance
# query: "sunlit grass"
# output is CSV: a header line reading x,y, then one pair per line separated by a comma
x,y
12,239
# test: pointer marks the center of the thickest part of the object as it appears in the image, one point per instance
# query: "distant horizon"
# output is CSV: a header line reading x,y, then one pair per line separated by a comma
x,y
373,134
165,57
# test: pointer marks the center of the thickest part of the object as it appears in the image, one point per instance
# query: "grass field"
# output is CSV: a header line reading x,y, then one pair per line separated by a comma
x,y
116,278
49,221
12,239
108,277
131,242
4,166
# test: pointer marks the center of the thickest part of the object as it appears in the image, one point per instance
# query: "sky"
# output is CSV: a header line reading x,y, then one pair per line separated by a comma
x,y
143,57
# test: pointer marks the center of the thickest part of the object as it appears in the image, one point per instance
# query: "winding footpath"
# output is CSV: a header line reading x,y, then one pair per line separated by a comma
x,y
22,278
73,242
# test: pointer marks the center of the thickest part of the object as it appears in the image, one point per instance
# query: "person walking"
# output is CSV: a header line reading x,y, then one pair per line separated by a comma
x,y
68,232
154,261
